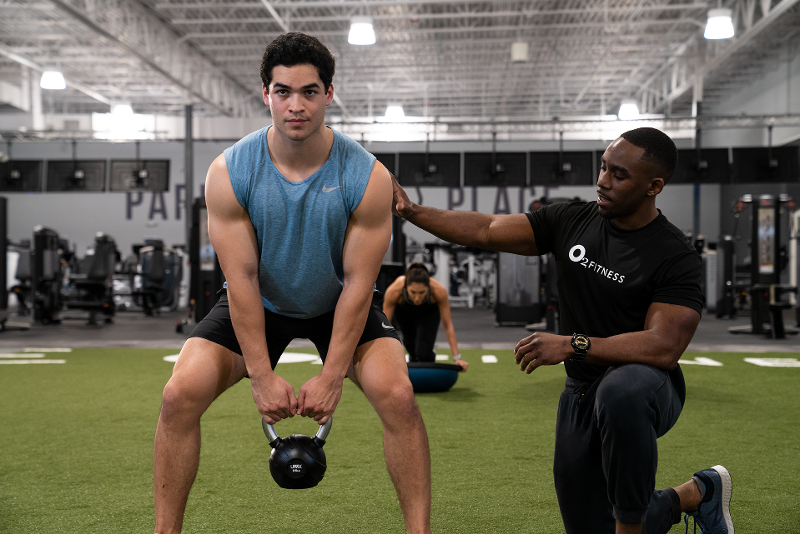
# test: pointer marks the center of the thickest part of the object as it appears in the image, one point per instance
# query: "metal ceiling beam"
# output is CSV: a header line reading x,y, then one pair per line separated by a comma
x,y
445,15
469,46
274,14
10,54
690,72
400,36
147,38
331,4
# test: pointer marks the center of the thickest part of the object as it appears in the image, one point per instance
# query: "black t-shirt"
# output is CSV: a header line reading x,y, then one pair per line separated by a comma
x,y
608,277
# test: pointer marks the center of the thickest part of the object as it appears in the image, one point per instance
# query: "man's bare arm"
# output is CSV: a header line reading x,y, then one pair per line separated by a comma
x,y
390,298
503,233
667,332
368,234
443,301
234,240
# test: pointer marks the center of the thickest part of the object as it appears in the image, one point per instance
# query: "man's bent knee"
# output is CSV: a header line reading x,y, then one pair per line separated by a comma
x,y
399,407
629,386
182,403
204,370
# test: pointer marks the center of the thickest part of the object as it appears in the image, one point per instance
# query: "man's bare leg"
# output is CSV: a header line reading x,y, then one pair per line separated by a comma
x,y
203,371
381,372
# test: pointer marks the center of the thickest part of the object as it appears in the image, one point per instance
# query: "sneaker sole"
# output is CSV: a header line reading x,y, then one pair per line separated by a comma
x,y
727,490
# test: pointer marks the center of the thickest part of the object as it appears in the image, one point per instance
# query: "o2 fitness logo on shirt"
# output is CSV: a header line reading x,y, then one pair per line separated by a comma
x,y
578,255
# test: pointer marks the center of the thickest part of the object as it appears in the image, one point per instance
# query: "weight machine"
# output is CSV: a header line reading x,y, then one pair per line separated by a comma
x,y
469,274
206,276
767,260
46,276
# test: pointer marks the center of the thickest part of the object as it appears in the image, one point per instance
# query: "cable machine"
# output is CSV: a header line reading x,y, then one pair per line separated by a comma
x,y
767,260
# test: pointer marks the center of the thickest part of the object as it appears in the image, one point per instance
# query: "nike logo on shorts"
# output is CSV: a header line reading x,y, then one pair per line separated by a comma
x,y
387,326
329,189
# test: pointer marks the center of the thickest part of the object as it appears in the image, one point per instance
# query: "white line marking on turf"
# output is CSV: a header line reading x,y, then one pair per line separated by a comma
x,y
21,355
47,350
442,357
489,358
286,357
701,360
774,362
25,362
296,357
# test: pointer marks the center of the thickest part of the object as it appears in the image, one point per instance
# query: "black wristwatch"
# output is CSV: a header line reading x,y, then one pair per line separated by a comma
x,y
581,345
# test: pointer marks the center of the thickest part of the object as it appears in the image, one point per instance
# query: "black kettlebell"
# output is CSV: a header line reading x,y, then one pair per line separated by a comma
x,y
297,461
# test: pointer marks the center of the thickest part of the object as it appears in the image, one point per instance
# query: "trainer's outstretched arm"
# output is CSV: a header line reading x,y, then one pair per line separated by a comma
x,y
503,233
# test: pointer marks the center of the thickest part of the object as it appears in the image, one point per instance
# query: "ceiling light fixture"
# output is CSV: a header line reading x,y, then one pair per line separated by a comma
x,y
361,31
52,79
628,110
122,109
395,112
720,24
519,52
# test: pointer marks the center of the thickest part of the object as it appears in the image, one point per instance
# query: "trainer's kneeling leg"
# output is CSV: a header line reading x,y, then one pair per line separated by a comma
x,y
635,405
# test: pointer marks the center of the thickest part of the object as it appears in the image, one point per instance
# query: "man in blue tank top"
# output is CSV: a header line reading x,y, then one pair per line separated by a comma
x,y
300,217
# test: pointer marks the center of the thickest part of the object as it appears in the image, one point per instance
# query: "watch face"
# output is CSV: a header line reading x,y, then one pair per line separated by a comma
x,y
581,342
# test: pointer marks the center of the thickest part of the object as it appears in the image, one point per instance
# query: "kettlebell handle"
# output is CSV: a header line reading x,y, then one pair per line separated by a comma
x,y
273,436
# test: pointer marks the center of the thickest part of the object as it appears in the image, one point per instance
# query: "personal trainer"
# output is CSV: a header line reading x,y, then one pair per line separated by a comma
x,y
630,302
300,217
417,304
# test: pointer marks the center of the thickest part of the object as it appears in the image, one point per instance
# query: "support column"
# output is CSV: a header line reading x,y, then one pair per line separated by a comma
x,y
37,115
697,110
188,173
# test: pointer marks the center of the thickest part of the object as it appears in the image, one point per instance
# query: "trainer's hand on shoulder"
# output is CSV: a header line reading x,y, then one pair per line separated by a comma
x,y
319,397
274,397
541,348
401,206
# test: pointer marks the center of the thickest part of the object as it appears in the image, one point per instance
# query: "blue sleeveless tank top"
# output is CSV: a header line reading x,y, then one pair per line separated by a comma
x,y
300,226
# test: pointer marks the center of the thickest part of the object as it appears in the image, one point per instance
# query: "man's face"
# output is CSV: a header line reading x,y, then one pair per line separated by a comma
x,y
297,100
624,180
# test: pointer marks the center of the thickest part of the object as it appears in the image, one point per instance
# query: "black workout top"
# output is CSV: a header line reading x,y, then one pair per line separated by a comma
x,y
608,277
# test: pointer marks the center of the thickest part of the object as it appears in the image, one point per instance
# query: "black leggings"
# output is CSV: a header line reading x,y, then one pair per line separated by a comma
x,y
419,326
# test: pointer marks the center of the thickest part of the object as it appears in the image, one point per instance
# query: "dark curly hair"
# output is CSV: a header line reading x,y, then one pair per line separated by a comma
x,y
658,149
295,48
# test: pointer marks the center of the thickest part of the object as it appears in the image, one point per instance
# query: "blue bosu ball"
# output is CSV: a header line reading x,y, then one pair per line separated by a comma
x,y
431,377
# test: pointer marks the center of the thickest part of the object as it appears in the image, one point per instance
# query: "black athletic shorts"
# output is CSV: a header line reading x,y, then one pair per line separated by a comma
x,y
281,330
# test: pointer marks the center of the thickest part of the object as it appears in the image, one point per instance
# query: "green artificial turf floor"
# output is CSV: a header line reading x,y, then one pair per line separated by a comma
x,y
76,449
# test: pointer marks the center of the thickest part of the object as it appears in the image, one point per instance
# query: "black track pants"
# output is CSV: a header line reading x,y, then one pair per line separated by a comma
x,y
606,455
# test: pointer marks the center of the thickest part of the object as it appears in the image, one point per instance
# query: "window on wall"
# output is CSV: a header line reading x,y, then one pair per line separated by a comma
x,y
140,175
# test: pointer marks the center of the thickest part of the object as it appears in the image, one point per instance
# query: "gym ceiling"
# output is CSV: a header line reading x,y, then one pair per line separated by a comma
x,y
450,60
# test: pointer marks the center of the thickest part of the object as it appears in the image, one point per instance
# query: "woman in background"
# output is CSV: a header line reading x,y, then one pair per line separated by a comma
x,y
417,304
